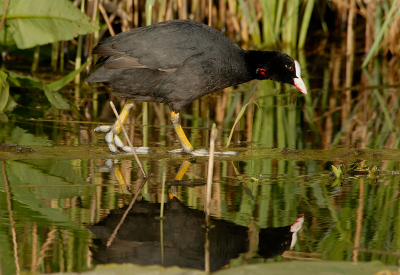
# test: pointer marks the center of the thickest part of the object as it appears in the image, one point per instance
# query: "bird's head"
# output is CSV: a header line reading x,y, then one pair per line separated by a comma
x,y
279,67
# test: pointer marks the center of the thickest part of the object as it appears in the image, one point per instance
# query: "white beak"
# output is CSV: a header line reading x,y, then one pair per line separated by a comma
x,y
294,228
298,82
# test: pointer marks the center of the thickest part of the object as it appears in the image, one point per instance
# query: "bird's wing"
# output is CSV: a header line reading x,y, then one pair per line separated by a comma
x,y
164,46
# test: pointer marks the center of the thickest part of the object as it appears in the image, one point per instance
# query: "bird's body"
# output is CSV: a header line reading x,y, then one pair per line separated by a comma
x,y
179,61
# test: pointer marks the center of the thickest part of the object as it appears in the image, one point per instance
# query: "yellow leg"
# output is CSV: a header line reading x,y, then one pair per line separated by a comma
x,y
118,175
171,196
187,147
182,170
123,115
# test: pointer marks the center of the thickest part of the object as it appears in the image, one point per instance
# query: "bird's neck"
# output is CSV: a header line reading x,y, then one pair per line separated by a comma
x,y
253,60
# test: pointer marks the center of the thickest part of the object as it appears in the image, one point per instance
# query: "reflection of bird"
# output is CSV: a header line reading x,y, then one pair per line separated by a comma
x,y
179,61
183,234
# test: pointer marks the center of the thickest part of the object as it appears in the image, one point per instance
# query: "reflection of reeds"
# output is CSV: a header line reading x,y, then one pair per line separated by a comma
x,y
268,192
11,218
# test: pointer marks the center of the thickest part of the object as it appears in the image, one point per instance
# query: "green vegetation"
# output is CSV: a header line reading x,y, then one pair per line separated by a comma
x,y
51,193
348,51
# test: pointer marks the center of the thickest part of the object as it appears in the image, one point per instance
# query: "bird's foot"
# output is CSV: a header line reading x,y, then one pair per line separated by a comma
x,y
115,144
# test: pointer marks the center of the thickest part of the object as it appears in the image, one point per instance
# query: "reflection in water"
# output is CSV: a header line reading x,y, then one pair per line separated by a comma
x,y
55,201
181,242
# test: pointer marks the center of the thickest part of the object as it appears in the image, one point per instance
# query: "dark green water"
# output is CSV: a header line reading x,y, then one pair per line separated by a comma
x,y
66,201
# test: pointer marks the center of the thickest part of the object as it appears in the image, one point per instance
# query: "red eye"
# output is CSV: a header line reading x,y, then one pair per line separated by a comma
x,y
290,69
262,71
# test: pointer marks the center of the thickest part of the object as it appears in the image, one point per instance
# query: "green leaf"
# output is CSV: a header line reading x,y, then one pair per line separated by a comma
x,y
50,90
373,175
335,171
56,99
57,85
255,179
38,22
4,91
27,82
338,174
239,116
337,182
44,185
24,138
7,104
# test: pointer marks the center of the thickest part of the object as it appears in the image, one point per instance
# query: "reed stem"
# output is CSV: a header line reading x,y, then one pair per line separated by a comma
x,y
35,62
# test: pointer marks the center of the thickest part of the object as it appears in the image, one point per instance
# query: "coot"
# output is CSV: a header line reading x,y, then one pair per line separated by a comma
x,y
177,62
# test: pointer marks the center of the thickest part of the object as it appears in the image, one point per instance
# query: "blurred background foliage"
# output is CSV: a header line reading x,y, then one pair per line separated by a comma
x,y
332,40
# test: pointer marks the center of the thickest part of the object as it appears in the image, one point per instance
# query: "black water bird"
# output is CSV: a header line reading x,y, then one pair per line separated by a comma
x,y
177,62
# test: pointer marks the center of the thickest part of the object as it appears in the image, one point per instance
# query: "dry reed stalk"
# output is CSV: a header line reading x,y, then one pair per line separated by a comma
x,y
210,12
207,252
11,217
203,9
3,18
116,8
136,13
350,49
360,218
129,12
46,246
183,10
105,16
128,140
220,107
169,12
124,18
349,67
210,174
162,11
336,62
369,25
231,16
34,248
393,35
244,33
112,236
93,7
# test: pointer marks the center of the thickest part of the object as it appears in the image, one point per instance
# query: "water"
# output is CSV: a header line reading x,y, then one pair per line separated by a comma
x,y
63,194
65,205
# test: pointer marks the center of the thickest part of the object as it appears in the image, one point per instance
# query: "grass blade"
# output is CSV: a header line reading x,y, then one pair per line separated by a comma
x,y
238,117
57,85
375,47
306,22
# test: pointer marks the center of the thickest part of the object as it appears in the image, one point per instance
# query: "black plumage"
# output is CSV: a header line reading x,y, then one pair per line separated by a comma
x,y
179,61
